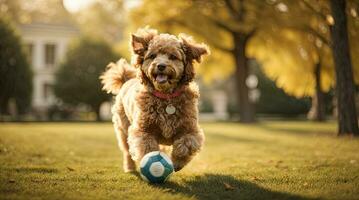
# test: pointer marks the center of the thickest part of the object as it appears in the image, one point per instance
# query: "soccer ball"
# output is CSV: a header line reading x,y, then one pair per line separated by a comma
x,y
155,167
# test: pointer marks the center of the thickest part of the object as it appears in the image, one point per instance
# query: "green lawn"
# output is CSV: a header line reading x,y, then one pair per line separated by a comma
x,y
268,160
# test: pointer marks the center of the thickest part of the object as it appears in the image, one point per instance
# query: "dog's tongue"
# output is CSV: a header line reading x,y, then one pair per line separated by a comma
x,y
161,78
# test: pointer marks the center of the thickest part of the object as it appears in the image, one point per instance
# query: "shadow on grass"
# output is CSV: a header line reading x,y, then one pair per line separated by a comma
x,y
215,186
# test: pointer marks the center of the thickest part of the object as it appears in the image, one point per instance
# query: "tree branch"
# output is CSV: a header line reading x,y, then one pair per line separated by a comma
x,y
221,24
310,7
308,29
252,32
199,31
318,35
221,48
236,14
231,9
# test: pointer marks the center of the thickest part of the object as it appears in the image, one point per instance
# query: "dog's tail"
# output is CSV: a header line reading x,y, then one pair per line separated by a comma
x,y
116,75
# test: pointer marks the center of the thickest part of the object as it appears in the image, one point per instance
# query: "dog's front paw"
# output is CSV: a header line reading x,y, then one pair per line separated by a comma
x,y
178,165
185,146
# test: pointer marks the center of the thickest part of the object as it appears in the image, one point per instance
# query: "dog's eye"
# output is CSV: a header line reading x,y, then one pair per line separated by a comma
x,y
152,56
173,57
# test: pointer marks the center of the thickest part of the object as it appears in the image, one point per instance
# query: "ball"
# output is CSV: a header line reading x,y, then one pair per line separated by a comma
x,y
156,167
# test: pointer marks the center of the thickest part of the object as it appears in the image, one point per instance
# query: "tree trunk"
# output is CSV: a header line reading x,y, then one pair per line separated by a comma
x,y
317,111
347,117
97,111
246,108
335,107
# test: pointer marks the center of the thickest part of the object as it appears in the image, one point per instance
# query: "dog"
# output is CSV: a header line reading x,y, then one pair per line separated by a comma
x,y
156,98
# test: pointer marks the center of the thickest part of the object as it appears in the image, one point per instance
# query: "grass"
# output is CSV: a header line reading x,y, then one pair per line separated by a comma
x,y
268,160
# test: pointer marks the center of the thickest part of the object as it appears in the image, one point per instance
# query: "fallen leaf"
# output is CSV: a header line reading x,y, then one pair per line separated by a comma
x,y
228,186
70,169
255,178
305,184
284,167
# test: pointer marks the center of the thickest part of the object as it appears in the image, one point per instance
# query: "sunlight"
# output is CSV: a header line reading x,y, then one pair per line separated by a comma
x,y
76,5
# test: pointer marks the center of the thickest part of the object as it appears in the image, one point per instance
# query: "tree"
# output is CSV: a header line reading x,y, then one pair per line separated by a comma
x,y
227,25
274,100
299,64
104,19
77,80
305,27
290,39
15,72
347,117
317,111
321,26
10,9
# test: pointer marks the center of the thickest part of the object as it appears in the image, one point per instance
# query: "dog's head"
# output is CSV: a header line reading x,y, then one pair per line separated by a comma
x,y
166,61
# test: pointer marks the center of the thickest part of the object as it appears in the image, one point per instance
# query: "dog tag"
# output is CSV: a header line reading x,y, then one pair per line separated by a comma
x,y
170,109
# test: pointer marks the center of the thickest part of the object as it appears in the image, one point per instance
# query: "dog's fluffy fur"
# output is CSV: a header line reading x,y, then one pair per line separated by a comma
x,y
140,120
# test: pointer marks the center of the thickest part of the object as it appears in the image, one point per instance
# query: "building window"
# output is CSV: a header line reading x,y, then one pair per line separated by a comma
x,y
50,54
29,49
47,91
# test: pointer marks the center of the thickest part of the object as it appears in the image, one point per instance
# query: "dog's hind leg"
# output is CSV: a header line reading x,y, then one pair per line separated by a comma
x,y
121,125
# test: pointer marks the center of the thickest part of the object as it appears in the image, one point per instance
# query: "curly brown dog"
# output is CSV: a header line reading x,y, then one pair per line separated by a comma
x,y
156,102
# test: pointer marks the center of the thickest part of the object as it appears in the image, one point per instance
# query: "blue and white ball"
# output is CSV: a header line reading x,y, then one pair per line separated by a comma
x,y
155,167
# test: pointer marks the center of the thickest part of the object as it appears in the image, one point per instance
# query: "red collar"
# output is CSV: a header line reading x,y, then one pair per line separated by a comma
x,y
168,96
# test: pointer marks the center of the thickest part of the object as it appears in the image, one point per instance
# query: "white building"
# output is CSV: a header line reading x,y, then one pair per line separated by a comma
x,y
46,45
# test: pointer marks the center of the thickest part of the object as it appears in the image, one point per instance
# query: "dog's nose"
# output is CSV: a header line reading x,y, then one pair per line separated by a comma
x,y
161,67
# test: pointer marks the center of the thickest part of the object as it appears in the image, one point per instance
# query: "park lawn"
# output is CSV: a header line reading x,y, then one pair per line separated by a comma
x,y
267,160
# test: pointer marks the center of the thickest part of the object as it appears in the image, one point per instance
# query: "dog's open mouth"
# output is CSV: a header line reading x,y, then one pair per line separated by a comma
x,y
162,78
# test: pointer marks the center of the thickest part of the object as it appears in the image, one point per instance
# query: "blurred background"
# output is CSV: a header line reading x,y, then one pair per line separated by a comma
x,y
278,88
270,58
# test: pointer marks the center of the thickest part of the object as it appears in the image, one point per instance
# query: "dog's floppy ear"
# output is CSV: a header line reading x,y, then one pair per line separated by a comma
x,y
193,50
141,39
